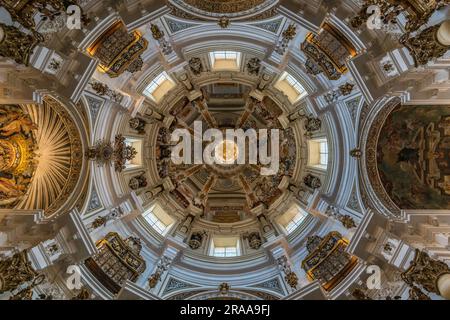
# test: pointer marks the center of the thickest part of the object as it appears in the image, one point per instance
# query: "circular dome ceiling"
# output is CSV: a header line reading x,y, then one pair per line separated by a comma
x,y
227,189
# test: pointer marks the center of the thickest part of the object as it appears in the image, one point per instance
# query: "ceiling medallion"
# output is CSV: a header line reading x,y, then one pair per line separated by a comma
x,y
226,152
205,185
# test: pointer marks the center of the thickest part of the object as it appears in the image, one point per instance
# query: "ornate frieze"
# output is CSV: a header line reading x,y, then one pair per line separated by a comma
x,y
425,272
15,271
17,45
117,260
224,288
271,26
418,12
176,285
159,36
253,66
175,26
94,107
224,22
196,240
101,221
286,37
327,52
343,90
196,66
425,46
138,182
272,284
138,124
25,12
222,6
103,152
254,240
346,220
327,260
94,201
105,91
27,292
118,51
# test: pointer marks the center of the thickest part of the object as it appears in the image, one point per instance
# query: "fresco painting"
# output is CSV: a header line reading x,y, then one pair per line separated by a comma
x,y
413,157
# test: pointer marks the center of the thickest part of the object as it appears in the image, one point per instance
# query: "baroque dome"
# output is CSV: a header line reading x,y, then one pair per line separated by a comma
x,y
214,150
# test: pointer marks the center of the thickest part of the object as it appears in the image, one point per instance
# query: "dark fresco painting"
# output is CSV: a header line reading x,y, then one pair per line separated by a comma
x,y
413,157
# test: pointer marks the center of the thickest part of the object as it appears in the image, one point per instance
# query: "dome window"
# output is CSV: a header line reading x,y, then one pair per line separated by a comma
x,y
225,247
225,60
292,219
318,153
158,219
159,87
290,87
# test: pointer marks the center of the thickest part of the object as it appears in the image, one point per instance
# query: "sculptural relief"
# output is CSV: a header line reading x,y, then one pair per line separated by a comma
x,y
17,153
413,157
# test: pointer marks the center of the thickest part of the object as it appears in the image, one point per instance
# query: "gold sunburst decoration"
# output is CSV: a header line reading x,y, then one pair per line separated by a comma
x,y
58,157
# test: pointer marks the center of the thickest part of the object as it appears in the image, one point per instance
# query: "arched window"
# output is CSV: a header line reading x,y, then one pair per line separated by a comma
x,y
318,153
290,87
159,87
224,247
292,219
225,60
158,219
137,160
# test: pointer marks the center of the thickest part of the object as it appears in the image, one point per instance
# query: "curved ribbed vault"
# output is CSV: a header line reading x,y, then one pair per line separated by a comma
x,y
58,157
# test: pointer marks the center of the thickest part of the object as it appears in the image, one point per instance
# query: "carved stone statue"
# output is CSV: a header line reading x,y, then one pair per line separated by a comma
x,y
312,124
138,124
196,66
17,45
224,288
15,271
196,240
138,182
426,272
254,240
289,276
312,181
253,66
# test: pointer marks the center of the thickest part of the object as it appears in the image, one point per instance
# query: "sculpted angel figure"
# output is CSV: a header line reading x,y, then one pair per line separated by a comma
x,y
22,124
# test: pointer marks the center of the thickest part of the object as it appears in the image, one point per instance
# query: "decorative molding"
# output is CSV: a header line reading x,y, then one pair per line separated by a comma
x,y
353,202
272,284
271,26
94,107
376,194
175,26
176,285
94,201
353,106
